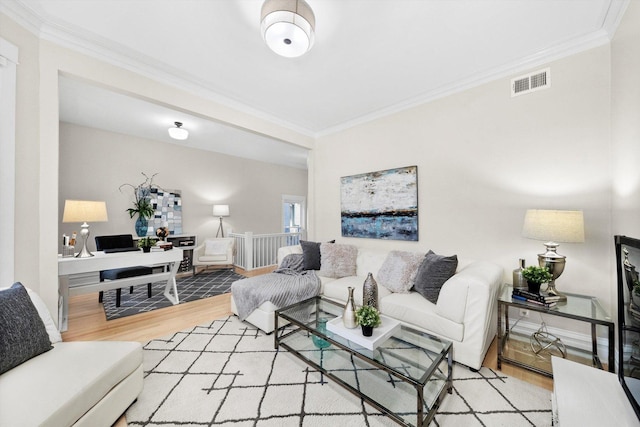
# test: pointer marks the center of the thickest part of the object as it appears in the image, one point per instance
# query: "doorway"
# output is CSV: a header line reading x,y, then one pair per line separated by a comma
x,y
294,215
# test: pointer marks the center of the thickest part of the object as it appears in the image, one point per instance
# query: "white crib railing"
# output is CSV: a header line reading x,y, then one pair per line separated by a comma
x,y
260,250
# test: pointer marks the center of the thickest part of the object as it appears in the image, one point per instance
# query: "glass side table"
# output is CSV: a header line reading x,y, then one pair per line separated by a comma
x,y
515,348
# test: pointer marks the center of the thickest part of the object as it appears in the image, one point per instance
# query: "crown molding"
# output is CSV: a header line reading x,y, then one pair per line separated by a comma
x,y
88,44
123,57
23,14
613,16
568,48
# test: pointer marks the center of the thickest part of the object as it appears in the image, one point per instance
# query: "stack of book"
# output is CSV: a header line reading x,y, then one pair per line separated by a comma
x,y
161,247
542,298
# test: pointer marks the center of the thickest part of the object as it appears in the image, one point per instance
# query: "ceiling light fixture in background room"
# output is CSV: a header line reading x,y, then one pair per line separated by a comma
x,y
84,211
220,211
553,226
288,26
178,132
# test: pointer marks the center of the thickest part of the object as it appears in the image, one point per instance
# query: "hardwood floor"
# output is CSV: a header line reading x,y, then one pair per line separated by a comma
x,y
87,321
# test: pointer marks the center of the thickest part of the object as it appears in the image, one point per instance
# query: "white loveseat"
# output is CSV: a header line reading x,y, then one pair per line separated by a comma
x,y
465,312
79,383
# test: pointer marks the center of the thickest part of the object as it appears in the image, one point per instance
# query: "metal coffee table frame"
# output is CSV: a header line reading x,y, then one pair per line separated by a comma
x,y
430,385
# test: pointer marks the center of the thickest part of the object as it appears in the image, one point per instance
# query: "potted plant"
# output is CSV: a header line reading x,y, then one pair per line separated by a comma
x,y
536,276
145,243
368,317
141,205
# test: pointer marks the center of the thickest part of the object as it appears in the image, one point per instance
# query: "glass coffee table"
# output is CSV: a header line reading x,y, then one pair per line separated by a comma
x,y
406,376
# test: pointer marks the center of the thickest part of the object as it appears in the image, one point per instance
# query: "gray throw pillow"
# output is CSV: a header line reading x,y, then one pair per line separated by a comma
x,y
434,271
311,255
22,332
338,260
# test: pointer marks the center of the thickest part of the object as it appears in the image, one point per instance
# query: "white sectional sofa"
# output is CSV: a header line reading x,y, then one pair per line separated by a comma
x,y
79,383
465,312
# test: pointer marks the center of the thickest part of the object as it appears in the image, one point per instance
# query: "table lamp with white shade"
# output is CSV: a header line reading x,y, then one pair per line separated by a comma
x,y
554,227
84,211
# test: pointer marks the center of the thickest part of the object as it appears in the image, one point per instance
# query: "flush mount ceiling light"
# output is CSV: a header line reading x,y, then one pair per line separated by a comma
x,y
288,26
178,132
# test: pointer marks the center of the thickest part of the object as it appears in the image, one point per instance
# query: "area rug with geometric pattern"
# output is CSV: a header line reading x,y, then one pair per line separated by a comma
x,y
190,288
227,373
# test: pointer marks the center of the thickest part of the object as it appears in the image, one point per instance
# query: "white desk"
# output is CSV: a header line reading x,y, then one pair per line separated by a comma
x,y
101,261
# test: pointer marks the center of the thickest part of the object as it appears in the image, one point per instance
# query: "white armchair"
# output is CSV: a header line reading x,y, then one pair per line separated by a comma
x,y
214,252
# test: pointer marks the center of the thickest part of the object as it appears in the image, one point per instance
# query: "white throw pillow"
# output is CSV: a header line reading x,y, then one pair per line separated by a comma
x,y
216,247
337,260
398,272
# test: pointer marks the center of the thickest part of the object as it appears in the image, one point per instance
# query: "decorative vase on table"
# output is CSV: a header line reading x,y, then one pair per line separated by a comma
x,y
370,291
142,226
518,278
349,312
322,328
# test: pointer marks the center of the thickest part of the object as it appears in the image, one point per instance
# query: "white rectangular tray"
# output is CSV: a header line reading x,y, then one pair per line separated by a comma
x,y
380,334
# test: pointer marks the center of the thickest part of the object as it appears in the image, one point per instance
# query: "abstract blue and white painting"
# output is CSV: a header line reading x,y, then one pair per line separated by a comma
x,y
381,205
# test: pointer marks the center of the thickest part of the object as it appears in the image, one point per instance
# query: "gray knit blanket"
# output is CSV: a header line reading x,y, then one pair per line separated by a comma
x,y
281,288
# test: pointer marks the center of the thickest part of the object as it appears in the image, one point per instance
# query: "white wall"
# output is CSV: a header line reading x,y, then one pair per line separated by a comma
x,y
625,127
41,62
483,159
27,175
625,110
95,163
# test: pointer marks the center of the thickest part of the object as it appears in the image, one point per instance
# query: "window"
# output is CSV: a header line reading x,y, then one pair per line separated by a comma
x,y
293,214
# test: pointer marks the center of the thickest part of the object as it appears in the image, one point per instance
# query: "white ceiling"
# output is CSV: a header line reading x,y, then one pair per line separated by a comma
x,y
370,58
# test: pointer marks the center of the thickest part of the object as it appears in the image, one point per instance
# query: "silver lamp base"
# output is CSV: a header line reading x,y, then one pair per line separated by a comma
x,y
555,264
84,232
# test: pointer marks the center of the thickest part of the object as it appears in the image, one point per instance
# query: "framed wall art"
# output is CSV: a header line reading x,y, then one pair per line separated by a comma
x,y
381,205
168,209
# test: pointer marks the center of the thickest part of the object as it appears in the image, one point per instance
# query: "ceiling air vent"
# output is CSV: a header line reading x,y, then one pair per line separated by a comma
x,y
531,82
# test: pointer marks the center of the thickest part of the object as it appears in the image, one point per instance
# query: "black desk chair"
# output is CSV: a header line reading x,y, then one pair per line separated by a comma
x,y
120,241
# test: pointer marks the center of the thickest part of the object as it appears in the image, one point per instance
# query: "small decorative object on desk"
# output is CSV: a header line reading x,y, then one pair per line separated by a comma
x,y
535,277
68,251
145,243
322,327
349,313
370,291
368,317
518,279
162,233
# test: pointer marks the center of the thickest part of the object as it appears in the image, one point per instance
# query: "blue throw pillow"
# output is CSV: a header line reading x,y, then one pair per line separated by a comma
x,y
22,332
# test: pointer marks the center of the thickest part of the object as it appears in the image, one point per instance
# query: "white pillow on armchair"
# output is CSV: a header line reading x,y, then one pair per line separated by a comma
x,y
216,247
